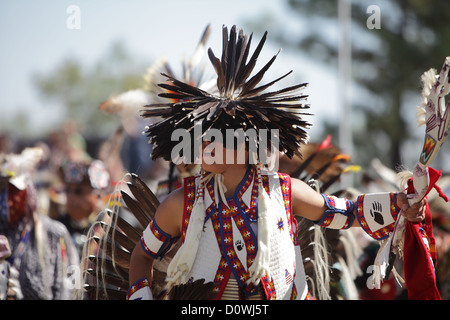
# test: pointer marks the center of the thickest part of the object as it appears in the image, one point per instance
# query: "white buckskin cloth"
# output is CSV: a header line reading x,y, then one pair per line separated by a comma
x,y
228,242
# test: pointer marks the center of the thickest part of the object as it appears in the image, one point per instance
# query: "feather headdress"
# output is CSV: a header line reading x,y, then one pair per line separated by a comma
x,y
237,103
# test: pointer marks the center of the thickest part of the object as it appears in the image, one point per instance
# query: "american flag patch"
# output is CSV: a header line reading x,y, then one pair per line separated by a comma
x,y
288,277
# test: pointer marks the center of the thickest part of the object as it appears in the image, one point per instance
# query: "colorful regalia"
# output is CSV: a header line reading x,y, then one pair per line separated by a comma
x,y
240,247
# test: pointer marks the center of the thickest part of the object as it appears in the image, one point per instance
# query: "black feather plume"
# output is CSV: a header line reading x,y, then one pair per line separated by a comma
x,y
239,103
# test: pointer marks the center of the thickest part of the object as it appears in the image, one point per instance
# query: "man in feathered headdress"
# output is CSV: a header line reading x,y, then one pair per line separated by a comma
x,y
236,220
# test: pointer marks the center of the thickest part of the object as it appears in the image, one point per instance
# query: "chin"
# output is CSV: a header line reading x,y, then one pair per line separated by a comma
x,y
215,168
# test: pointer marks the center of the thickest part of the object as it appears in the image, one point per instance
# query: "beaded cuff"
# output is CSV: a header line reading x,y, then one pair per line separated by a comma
x,y
140,290
339,214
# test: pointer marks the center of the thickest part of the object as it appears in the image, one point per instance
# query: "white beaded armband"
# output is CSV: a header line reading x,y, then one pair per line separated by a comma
x,y
339,213
156,242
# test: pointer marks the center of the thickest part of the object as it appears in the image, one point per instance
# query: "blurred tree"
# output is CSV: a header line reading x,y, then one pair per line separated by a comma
x,y
79,89
387,62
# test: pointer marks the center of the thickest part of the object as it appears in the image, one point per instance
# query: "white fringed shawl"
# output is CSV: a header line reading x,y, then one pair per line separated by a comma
x,y
182,262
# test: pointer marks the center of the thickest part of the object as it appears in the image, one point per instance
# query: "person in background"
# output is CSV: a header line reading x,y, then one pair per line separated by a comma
x,y
86,186
36,252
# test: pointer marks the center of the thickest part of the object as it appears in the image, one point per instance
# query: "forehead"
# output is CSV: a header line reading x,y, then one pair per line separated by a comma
x,y
232,136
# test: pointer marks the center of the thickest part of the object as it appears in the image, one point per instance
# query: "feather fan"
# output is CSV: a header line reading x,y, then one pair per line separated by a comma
x,y
108,250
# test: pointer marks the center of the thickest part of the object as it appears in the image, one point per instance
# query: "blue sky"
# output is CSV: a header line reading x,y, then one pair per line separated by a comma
x,y
34,38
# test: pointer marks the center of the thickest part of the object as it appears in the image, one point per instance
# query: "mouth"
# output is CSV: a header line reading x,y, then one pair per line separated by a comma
x,y
208,151
208,155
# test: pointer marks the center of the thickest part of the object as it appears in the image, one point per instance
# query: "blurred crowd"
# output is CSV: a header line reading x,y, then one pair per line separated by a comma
x,y
52,191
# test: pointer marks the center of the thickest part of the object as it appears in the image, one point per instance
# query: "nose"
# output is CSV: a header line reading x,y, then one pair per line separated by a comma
x,y
205,144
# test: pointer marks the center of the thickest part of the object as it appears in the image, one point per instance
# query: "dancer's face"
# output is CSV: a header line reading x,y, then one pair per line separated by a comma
x,y
216,158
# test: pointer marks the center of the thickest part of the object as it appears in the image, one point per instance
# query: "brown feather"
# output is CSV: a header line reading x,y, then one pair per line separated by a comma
x,y
133,233
108,265
197,290
150,196
120,255
119,237
111,279
112,293
135,208
141,198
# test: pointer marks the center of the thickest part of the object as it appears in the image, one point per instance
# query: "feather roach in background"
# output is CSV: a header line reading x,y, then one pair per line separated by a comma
x,y
128,104
329,256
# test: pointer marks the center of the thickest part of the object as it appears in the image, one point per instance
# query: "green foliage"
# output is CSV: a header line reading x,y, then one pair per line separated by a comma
x,y
80,88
